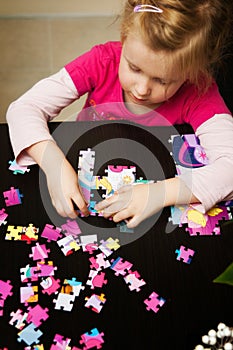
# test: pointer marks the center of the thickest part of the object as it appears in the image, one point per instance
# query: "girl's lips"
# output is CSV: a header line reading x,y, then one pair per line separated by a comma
x,y
137,100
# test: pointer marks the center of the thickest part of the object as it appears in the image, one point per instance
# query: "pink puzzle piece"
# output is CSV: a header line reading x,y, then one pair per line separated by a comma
x,y
3,216
12,197
98,262
50,285
120,267
185,254
71,227
51,233
134,281
154,302
39,252
5,289
92,339
37,315
96,279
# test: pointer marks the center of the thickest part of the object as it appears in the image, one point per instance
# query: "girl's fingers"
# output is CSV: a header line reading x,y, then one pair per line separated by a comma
x,y
133,222
81,204
122,215
106,202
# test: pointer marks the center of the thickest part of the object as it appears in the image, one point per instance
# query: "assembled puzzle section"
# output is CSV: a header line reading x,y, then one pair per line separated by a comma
x,y
188,154
116,177
86,163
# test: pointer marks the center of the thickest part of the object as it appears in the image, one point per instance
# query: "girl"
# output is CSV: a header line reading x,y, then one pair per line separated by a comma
x,y
165,64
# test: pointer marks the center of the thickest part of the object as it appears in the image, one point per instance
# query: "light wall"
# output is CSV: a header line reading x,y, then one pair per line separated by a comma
x,y
20,8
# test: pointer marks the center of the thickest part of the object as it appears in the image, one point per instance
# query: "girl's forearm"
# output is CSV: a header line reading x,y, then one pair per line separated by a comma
x,y
47,155
177,193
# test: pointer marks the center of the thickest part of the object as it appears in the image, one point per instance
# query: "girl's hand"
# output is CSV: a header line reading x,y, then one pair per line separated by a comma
x,y
64,191
62,180
133,203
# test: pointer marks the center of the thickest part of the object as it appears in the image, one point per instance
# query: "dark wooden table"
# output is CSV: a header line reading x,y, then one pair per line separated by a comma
x,y
194,304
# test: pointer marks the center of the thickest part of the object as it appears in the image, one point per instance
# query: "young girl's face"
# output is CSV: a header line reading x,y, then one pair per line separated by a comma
x,y
146,76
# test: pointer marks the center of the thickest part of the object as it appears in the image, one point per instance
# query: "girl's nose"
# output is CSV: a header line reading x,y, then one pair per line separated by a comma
x,y
142,88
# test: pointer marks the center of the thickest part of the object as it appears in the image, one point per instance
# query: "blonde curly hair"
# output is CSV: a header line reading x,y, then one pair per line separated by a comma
x,y
193,32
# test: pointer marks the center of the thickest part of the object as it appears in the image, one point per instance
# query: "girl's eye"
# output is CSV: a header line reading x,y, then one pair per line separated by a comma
x,y
160,81
133,68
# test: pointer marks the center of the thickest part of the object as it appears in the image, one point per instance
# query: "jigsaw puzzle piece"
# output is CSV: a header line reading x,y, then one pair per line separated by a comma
x,y
28,294
109,246
119,176
14,233
2,302
18,319
39,252
72,286
99,262
68,245
30,334
16,168
185,254
3,216
96,279
120,266
133,280
71,227
154,302
5,289
28,273
92,339
64,302
60,343
86,164
37,315
95,302
89,243
51,233
30,233
50,285
12,197
46,269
